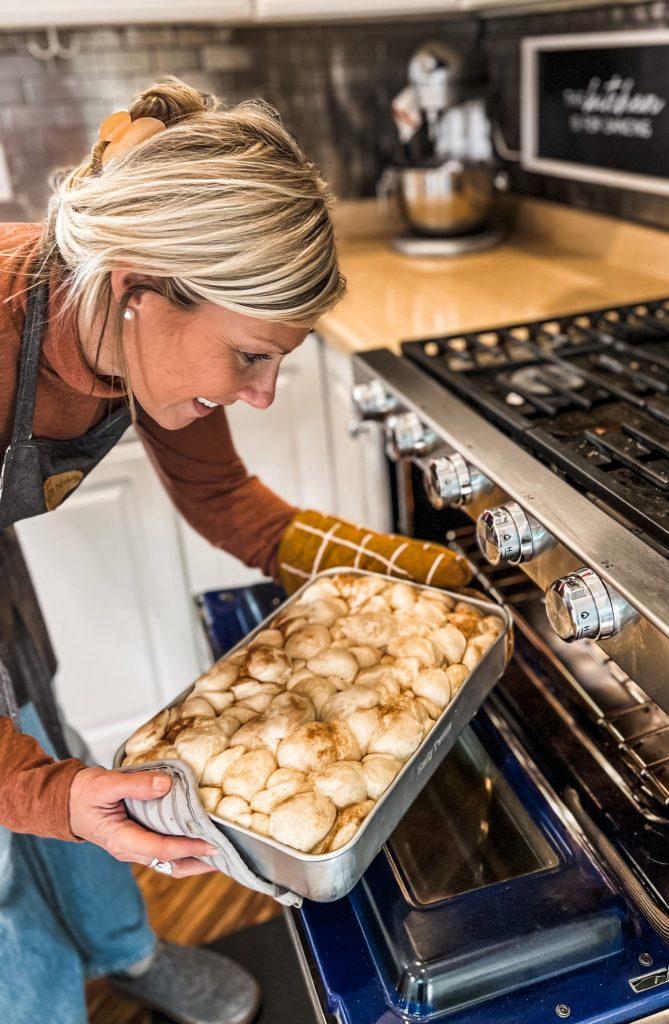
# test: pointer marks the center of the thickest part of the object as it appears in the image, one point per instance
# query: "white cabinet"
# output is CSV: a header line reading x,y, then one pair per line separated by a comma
x,y
287,447
38,13
317,10
109,574
361,487
321,10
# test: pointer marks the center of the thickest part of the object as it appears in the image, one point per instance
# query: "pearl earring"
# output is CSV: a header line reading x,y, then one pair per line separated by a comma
x,y
128,314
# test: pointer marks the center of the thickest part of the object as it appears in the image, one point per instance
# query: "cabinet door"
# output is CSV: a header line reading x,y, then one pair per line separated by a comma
x,y
38,13
287,447
361,485
108,570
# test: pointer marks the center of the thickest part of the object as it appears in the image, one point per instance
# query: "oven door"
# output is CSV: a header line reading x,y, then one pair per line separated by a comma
x,y
486,904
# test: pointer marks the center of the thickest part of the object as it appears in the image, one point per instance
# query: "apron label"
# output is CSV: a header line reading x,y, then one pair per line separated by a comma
x,y
57,487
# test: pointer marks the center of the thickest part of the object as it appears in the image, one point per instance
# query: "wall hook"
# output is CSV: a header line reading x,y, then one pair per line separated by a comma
x,y
53,48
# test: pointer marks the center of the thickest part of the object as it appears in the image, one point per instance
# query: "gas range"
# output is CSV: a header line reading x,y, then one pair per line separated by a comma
x,y
530,880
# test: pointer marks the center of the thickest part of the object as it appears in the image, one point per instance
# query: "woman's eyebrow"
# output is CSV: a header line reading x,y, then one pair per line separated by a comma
x,y
265,343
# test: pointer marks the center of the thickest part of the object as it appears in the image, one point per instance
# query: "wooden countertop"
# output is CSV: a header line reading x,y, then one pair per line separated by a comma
x,y
556,260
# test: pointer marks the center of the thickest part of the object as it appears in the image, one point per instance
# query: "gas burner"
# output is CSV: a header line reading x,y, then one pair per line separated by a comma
x,y
542,380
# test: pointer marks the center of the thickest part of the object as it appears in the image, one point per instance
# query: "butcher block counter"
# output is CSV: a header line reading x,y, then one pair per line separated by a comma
x,y
555,260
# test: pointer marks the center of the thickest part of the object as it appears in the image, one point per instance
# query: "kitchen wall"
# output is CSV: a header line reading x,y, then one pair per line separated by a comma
x,y
332,83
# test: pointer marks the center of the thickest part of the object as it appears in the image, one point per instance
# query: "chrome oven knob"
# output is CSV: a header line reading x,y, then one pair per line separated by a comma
x,y
582,605
508,534
372,401
449,480
406,435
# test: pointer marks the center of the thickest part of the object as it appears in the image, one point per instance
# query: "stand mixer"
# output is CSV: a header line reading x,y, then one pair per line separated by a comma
x,y
448,183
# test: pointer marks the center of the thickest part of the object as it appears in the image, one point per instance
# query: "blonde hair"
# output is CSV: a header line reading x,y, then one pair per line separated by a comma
x,y
223,208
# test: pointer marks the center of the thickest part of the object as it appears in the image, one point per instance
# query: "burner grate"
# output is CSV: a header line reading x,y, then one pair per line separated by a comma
x,y
589,394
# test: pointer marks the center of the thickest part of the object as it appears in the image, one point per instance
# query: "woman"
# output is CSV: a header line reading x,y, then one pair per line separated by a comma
x,y
176,268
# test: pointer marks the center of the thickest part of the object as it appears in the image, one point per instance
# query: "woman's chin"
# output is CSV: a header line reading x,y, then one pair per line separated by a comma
x,y
174,418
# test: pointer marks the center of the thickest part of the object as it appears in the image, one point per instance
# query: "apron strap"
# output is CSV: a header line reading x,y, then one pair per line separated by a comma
x,y
39,689
27,660
7,697
31,347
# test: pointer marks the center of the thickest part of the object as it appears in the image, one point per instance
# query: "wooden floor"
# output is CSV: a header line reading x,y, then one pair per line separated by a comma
x,y
187,910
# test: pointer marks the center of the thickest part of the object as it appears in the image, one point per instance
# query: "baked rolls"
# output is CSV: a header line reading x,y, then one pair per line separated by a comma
x,y
296,735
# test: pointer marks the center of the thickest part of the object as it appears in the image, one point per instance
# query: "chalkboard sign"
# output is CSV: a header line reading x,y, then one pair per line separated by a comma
x,y
595,107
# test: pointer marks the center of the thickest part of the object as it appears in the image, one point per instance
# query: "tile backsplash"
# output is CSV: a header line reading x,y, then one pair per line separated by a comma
x,y
333,84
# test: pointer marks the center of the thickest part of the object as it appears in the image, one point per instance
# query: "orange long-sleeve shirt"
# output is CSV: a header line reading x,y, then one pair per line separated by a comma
x,y
198,465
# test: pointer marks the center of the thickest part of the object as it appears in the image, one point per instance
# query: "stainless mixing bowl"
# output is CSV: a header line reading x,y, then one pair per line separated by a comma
x,y
451,199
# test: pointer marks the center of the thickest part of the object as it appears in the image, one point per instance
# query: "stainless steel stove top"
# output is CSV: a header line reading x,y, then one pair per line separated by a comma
x,y
587,394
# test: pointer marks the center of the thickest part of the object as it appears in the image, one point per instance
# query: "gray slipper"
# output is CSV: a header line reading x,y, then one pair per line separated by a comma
x,y
193,986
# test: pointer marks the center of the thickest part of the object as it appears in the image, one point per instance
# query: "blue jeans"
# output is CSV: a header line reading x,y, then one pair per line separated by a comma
x,y
68,911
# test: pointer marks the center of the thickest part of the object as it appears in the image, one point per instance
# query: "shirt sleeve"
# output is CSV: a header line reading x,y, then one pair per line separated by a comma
x,y
34,789
211,487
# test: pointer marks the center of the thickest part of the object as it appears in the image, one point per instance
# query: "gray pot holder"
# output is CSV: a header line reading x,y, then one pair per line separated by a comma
x,y
180,813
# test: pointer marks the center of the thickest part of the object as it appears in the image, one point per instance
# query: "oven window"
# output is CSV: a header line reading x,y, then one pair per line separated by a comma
x,y
467,829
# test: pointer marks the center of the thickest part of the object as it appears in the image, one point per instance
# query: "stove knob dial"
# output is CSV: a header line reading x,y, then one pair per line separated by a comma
x,y
449,480
581,605
371,401
509,534
406,435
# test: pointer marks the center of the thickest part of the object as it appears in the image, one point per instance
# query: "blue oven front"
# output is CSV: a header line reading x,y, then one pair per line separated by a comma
x,y
486,906
490,904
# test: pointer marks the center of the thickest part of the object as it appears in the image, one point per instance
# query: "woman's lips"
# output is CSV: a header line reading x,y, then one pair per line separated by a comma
x,y
202,410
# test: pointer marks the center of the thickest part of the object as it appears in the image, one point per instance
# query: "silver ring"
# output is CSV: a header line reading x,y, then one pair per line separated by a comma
x,y
163,867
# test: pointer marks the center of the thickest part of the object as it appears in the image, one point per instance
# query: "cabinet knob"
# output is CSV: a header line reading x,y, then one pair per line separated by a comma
x,y
507,533
582,605
449,480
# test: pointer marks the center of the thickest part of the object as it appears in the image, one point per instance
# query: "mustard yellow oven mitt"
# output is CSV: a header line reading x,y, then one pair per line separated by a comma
x,y
313,542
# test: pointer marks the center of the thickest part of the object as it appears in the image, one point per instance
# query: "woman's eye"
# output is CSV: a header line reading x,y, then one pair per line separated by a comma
x,y
255,357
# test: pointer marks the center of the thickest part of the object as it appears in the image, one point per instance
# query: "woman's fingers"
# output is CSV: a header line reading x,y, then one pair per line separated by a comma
x,y
132,842
97,814
113,786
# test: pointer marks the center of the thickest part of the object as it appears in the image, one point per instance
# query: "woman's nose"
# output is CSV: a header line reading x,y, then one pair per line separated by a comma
x,y
258,399
260,393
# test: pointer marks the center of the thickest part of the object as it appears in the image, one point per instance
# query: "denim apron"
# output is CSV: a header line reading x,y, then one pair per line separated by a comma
x,y
67,910
36,476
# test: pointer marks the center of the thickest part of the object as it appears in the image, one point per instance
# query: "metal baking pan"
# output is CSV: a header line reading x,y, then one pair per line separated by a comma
x,y
329,876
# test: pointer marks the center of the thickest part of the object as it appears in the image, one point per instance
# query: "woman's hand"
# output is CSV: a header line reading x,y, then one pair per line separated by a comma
x,y
97,813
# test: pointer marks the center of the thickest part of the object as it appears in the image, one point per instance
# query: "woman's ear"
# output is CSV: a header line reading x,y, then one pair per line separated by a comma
x,y
123,281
